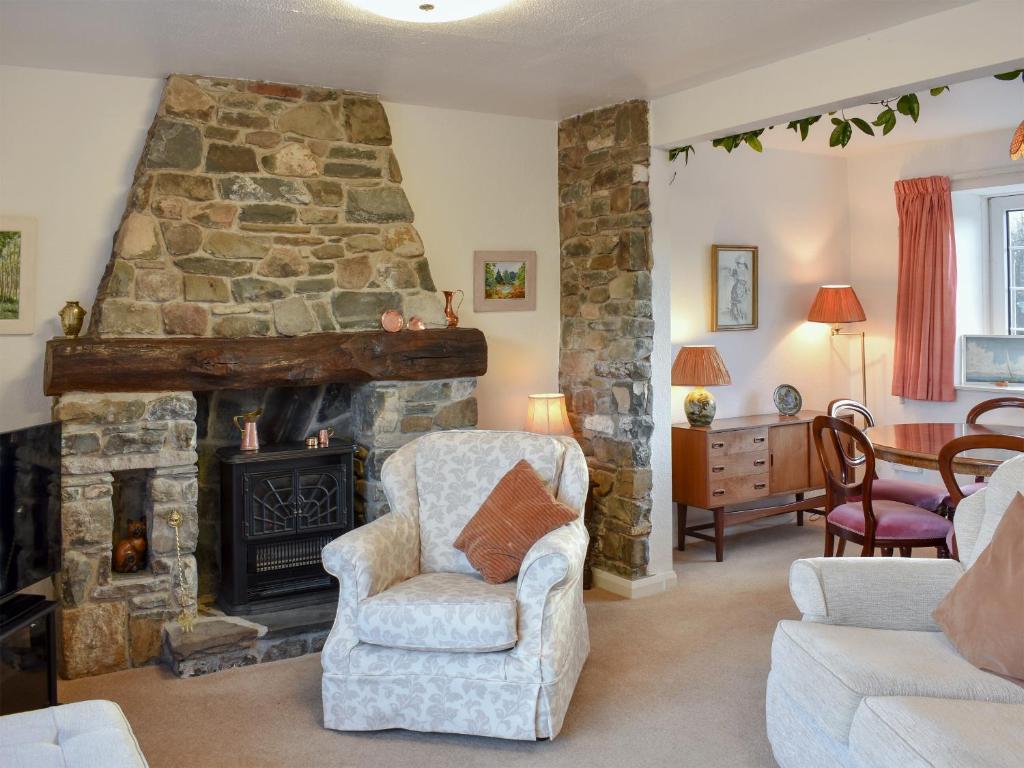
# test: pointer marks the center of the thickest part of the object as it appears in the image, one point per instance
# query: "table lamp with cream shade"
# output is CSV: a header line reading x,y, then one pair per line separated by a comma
x,y
699,366
837,305
546,415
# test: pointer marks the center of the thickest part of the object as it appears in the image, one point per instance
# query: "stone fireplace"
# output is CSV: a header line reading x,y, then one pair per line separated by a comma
x,y
266,231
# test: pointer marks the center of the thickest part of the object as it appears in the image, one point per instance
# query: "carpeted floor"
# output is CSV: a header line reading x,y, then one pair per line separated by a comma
x,y
672,680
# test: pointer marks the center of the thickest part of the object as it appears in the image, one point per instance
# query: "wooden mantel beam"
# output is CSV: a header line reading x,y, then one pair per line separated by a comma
x,y
201,364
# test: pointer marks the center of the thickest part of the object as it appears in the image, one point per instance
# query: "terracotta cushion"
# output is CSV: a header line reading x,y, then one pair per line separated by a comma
x,y
895,520
517,513
983,615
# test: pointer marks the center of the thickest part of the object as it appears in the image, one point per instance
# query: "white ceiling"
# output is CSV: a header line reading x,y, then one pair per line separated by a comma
x,y
974,106
539,58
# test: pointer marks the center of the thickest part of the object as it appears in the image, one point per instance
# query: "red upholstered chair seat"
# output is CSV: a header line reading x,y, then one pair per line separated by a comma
x,y
930,497
894,520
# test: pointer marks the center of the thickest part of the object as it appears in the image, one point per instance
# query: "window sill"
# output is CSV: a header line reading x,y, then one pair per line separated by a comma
x,y
1015,388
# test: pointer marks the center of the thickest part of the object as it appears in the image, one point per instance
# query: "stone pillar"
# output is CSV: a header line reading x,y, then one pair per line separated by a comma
x,y
388,414
112,621
607,325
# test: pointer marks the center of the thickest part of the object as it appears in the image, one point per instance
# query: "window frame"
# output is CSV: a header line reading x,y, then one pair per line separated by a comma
x,y
1000,319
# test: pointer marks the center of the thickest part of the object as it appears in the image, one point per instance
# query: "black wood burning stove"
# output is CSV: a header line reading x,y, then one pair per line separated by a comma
x,y
280,506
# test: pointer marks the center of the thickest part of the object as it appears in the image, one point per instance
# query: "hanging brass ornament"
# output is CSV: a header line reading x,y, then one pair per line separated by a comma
x,y
182,590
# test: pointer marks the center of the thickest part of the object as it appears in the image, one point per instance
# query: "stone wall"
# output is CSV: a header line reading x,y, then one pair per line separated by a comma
x,y
607,326
111,621
263,209
257,209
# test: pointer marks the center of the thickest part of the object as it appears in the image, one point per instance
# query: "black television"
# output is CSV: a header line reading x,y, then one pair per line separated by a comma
x,y
30,498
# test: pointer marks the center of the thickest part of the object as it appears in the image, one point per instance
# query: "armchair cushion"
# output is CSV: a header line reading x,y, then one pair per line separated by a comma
x,y
518,512
829,670
919,732
456,472
451,612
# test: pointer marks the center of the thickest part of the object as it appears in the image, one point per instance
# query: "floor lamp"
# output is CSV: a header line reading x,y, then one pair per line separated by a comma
x,y
835,305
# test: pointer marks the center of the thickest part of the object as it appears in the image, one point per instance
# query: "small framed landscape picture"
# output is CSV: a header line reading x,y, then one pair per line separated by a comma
x,y
733,287
504,281
17,274
992,360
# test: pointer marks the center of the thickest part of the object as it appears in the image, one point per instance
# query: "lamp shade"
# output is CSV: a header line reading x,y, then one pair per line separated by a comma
x,y
699,366
546,415
1017,143
836,304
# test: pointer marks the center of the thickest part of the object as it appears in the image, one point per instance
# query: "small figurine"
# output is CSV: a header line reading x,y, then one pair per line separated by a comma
x,y
130,553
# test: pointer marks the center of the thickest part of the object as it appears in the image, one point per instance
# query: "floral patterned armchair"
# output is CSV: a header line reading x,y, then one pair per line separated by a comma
x,y
420,640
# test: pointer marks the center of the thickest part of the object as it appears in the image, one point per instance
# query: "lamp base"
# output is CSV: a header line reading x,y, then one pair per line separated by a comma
x,y
700,407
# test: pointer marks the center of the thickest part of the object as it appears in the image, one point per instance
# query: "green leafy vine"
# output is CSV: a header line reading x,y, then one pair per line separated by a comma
x,y
907,105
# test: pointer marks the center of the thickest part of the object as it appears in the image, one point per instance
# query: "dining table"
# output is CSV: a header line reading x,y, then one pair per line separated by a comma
x,y
918,445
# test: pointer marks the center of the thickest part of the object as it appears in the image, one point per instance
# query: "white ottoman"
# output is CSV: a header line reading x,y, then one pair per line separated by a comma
x,y
86,734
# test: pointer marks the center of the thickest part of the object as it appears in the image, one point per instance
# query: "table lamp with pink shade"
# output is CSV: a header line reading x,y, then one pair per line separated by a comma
x,y
547,415
699,367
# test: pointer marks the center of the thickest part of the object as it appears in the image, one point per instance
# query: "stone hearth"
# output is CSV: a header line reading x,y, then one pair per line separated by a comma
x,y
257,210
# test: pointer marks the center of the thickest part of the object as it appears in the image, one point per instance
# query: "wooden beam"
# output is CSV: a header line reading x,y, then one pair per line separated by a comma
x,y
202,364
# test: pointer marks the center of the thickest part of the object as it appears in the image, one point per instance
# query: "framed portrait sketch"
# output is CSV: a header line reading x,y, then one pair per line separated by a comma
x,y
733,287
504,281
17,274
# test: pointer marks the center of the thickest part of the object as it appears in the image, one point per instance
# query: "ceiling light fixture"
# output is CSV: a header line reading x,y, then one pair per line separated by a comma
x,y
429,13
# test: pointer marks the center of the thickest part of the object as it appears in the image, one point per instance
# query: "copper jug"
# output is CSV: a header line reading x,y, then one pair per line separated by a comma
x,y
449,310
246,424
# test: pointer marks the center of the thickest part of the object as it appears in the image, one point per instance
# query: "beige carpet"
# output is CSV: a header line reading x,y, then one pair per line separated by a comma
x,y
672,680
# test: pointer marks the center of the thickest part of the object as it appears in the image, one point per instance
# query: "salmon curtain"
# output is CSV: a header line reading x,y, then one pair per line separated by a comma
x,y
926,292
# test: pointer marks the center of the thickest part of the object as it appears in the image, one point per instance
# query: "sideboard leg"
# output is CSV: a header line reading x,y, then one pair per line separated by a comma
x,y
719,534
681,525
800,512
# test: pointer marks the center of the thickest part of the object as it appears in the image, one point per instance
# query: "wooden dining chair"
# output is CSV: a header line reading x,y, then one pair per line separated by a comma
x,y
931,497
975,413
854,513
954,448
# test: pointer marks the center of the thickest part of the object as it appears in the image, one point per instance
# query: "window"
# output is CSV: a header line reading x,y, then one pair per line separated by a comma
x,y
1006,237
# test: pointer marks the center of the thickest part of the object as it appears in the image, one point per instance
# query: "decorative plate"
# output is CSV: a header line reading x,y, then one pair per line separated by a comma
x,y
392,321
787,399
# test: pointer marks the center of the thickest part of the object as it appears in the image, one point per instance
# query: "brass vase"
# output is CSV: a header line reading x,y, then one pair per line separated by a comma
x,y
71,317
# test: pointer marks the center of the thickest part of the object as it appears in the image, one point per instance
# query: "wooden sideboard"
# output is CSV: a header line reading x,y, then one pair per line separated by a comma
x,y
738,461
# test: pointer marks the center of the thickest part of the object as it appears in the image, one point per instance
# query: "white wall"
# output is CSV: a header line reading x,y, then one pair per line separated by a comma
x,y
793,207
69,143
874,256
482,182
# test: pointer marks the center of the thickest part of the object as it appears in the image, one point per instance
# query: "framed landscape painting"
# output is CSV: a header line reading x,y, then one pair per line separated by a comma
x,y
996,360
17,274
504,281
733,287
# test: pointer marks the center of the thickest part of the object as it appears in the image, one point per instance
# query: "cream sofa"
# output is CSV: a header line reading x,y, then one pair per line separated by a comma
x,y
867,679
420,640
86,734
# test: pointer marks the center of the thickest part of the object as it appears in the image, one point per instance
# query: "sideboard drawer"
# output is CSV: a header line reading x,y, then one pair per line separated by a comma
x,y
738,464
737,441
732,490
